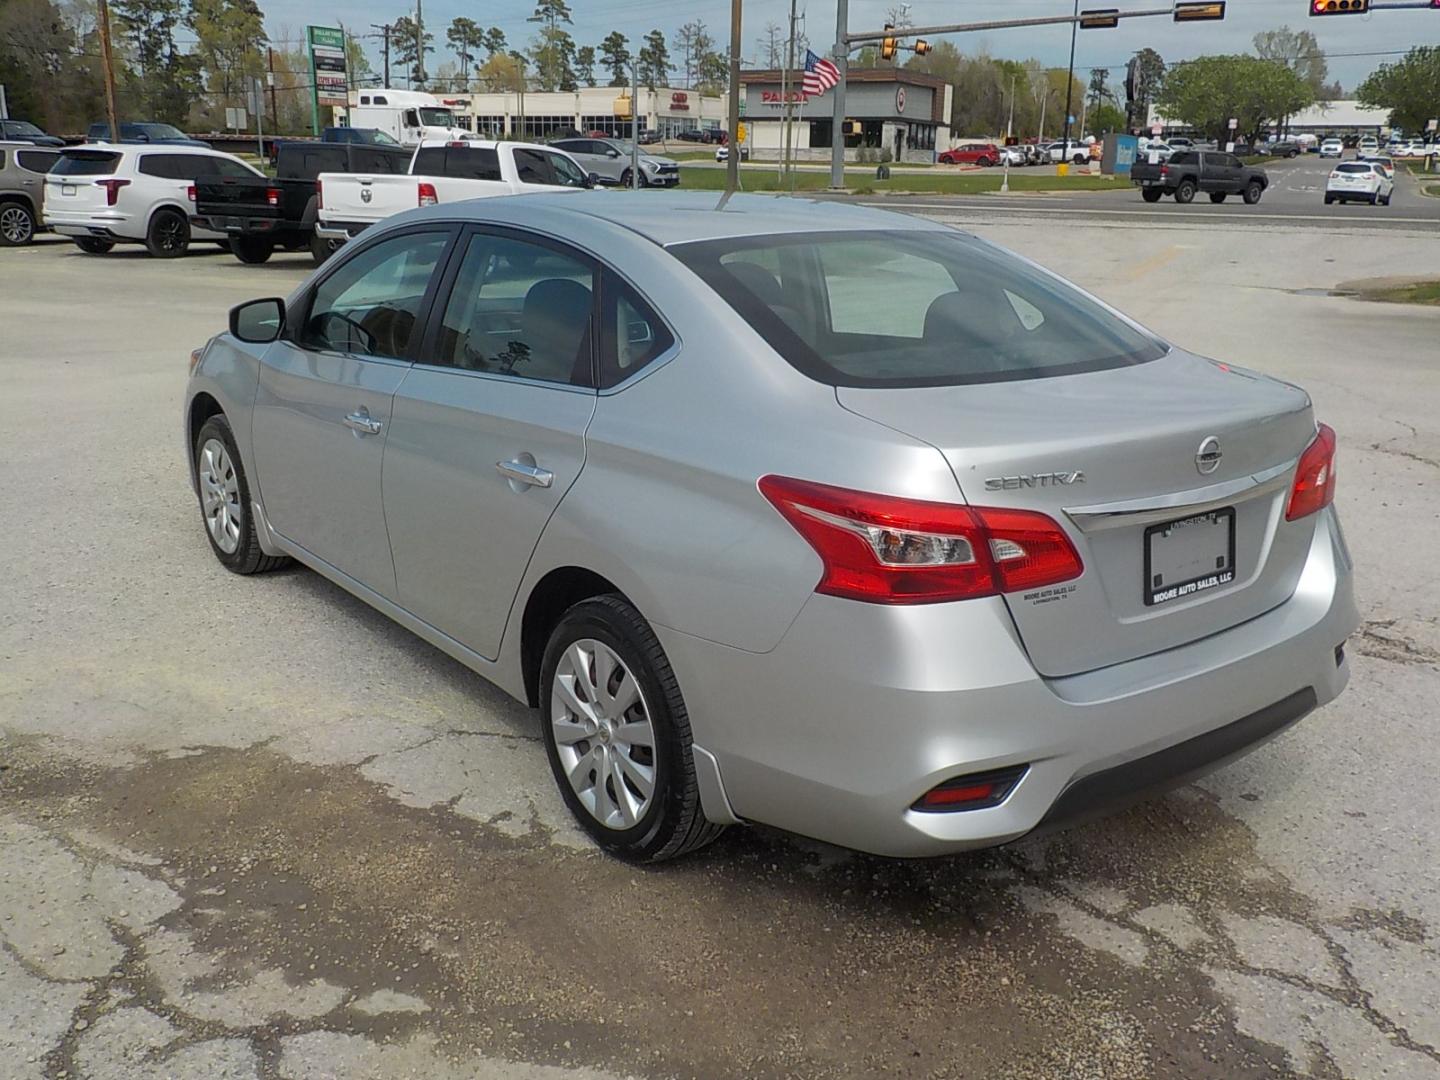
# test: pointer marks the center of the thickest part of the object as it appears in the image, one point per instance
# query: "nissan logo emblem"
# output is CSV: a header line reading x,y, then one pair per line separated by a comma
x,y
1207,458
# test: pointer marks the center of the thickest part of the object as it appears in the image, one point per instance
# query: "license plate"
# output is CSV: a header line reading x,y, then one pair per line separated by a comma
x,y
1189,556
67,189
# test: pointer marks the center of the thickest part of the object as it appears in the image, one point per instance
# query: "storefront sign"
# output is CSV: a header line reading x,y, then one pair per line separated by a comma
x,y
680,102
900,99
774,97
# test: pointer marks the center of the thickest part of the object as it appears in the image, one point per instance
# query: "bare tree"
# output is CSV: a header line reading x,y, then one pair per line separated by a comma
x,y
772,44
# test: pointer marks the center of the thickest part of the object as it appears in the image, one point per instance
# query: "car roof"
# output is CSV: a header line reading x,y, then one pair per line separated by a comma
x,y
676,217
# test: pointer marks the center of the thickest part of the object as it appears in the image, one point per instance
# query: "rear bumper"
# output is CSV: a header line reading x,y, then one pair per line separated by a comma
x,y
340,230
107,226
861,709
241,225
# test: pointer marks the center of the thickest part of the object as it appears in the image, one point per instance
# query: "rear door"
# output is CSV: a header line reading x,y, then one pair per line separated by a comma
x,y
322,408
488,431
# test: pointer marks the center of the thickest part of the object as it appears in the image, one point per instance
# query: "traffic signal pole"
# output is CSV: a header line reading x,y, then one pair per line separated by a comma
x,y
841,56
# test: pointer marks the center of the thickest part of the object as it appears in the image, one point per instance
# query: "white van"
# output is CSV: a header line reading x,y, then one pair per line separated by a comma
x,y
410,117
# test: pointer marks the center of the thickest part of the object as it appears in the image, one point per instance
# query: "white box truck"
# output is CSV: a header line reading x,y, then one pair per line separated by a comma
x,y
410,117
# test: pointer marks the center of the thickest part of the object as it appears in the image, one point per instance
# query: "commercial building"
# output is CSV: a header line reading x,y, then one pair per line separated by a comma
x,y
904,113
1338,118
539,116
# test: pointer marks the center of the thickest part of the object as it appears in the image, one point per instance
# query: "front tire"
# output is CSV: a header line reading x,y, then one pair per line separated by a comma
x,y
1185,192
1329,199
93,245
252,249
618,735
225,508
1253,192
17,224
1385,200
168,236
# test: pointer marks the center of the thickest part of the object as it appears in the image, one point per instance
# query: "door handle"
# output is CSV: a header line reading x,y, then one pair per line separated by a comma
x,y
360,423
521,473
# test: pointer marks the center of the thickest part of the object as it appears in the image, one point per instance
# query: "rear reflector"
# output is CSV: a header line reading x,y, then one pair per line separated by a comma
x,y
887,550
978,791
1314,487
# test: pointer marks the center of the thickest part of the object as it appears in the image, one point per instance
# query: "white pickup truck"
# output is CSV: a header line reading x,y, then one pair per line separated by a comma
x,y
441,173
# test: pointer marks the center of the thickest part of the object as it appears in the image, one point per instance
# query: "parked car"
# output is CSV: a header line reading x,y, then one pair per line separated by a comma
x,y
1281,149
1013,156
161,134
117,193
1332,148
1188,173
1077,153
1101,606
259,214
1182,143
1359,180
442,173
1368,144
1160,150
22,131
975,153
722,153
715,136
691,135
23,166
650,138
363,136
609,161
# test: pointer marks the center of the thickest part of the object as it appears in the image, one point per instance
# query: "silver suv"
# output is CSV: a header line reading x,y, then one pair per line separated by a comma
x,y
23,167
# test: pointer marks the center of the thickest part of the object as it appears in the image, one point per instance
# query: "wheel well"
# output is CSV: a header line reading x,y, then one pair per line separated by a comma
x,y
553,595
17,197
201,409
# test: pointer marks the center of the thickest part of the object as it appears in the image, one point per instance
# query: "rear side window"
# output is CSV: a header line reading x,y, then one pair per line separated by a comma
x,y
86,163
632,335
164,166
378,159
308,162
461,162
1185,157
37,161
913,308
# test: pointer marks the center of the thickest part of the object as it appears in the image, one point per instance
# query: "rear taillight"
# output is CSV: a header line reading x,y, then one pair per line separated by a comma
x,y
319,195
112,189
190,192
1314,487
1164,170
427,194
272,196
887,550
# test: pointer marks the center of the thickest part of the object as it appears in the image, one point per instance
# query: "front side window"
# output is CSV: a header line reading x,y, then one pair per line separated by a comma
x,y
912,308
437,118
370,305
522,309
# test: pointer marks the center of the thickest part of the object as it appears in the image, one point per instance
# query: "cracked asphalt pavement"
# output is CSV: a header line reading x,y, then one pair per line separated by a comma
x,y
249,828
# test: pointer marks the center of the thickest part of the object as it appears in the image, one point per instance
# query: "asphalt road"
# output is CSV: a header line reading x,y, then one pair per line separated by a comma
x,y
250,828
1295,199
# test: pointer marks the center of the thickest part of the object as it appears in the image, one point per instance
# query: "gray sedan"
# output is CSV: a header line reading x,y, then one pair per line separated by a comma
x,y
611,162
798,513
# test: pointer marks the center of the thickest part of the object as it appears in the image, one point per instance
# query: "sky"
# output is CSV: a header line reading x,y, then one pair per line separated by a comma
x,y
1368,40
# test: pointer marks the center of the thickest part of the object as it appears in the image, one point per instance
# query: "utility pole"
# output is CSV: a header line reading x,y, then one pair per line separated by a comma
x,y
837,125
732,160
384,37
1069,87
107,65
789,105
1009,132
634,123
270,79
420,43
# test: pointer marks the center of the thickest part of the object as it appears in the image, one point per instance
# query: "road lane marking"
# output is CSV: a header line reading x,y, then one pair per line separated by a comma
x,y
1189,217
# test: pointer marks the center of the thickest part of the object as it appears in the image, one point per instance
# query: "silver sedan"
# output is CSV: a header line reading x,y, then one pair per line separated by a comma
x,y
796,513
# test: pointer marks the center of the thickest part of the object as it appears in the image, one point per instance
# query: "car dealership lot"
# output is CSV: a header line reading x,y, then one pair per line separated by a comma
x,y
255,824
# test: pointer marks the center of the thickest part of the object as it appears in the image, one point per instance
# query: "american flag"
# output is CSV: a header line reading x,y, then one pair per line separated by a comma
x,y
820,74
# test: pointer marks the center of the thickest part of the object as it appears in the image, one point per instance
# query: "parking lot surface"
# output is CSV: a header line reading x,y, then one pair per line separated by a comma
x,y
251,828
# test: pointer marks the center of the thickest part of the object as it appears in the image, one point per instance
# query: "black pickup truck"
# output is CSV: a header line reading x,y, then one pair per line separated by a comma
x,y
260,214
1190,172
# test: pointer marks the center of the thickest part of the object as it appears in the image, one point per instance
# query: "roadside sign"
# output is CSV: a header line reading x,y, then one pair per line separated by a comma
x,y
740,132
1432,125
329,80
1234,123
1157,129
235,119
1230,147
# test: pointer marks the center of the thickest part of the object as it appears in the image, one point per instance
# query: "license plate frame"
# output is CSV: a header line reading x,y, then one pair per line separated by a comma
x,y
1185,555
67,189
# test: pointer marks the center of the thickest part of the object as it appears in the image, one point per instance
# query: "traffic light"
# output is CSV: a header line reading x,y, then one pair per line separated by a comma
x,y
1343,7
1206,12
923,47
1106,19
888,44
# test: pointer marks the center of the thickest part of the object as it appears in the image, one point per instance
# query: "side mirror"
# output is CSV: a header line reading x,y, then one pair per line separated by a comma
x,y
612,152
258,322
591,179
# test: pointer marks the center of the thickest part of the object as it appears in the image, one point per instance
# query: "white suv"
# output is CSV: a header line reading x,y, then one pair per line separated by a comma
x,y
108,195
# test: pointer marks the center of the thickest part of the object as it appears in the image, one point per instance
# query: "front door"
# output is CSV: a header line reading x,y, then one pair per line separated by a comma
x,y
488,430
322,409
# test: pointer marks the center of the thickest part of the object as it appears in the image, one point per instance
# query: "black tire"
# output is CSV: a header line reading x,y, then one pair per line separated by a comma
x,y
673,824
1373,199
984,162
253,249
168,236
1253,191
1151,194
321,249
1329,199
1385,200
93,245
1218,196
626,177
247,558
1185,192
1079,159
17,223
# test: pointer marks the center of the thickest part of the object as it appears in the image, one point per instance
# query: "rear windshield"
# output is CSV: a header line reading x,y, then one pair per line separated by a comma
x,y
467,162
888,309
1352,168
86,163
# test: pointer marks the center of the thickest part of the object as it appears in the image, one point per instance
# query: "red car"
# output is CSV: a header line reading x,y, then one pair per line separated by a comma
x,y
982,154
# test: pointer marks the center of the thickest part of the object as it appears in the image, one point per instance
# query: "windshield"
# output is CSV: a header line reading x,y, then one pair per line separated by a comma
x,y
24,127
379,138
162,131
437,118
912,308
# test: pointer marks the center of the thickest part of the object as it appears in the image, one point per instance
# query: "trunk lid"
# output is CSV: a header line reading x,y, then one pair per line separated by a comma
x,y
1112,456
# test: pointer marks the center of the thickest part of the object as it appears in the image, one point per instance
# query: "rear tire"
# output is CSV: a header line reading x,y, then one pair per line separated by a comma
x,y
321,249
93,245
17,224
607,636
984,163
1151,194
1218,196
225,508
1185,192
1329,199
1079,159
1253,191
1372,200
252,249
168,236
1385,200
